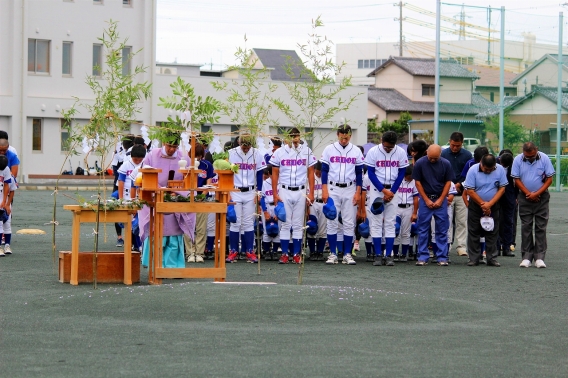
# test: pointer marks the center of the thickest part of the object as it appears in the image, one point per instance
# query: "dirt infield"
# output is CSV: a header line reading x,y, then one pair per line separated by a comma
x,y
361,320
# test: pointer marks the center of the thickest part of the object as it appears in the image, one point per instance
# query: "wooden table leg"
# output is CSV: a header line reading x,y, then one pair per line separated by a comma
x,y
128,250
76,234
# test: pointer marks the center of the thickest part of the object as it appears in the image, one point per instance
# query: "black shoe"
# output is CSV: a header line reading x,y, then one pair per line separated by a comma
x,y
473,263
396,258
369,258
508,254
402,258
378,261
390,261
268,256
493,262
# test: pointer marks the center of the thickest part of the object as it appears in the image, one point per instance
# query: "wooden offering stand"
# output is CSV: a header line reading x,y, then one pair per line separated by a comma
x,y
105,271
154,196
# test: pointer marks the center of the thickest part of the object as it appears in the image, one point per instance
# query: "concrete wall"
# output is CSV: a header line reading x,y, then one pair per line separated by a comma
x,y
546,74
455,91
395,77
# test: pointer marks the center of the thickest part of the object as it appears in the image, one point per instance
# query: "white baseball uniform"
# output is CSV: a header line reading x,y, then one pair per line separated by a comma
x,y
293,163
129,170
386,166
405,200
317,210
341,184
245,180
269,202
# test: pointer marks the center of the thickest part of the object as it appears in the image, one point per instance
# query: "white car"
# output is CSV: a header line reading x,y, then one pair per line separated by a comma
x,y
469,144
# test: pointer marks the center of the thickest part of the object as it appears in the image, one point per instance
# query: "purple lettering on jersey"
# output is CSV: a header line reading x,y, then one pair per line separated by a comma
x,y
268,193
387,164
317,187
343,160
247,167
293,162
405,190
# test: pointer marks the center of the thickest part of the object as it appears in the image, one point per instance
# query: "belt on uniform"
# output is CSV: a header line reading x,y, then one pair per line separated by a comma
x,y
271,203
244,189
319,200
341,184
404,205
432,196
294,188
388,186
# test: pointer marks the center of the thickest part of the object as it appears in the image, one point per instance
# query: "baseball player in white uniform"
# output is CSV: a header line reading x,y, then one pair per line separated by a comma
x,y
7,187
342,178
407,201
366,204
316,243
292,172
386,166
270,244
248,180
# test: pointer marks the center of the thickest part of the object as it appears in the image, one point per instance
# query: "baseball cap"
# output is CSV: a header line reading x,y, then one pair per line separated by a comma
x,y
413,229
364,229
487,223
231,214
272,228
378,206
397,225
312,224
280,212
4,216
329,209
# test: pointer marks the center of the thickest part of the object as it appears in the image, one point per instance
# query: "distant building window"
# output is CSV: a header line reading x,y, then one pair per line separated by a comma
x,y
465,60
428,90
366,63
126,51
99,2
360,63
36,134
370,63
506,93
64,136
492,96
97,59
205,128
234,131
127,2
66,59
38,55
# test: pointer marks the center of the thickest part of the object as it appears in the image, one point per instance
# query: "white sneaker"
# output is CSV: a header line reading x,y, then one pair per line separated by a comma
x,y
331,259
526,263
191,258
348,259
2,251
538,263
199,259
8,250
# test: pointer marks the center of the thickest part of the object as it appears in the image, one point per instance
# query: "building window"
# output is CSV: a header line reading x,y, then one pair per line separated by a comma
x,y
98,2
492,96
205,128
506,94
372,63
36,134
562,134
126,51
97,59
428,90
38,55
67,50
360,63
366,63
234,131
127,2
64,136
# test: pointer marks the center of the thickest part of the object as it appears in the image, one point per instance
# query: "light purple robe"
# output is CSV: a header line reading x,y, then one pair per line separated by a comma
x,y
176,223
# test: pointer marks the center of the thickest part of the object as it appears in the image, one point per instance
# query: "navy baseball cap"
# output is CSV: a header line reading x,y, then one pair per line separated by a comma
x,y
280,212
312,224
329,209
4,216
231,214
378,206
364,229
272,228
413,229
397,225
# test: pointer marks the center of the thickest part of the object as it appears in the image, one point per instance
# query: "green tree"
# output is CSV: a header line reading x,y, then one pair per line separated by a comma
x,y
514,133
399,126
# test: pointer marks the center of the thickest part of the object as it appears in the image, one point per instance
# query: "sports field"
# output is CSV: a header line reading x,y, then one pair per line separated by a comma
x,y
344,321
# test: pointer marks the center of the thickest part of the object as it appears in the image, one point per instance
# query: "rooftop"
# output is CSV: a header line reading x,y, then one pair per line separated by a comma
x,y
426,67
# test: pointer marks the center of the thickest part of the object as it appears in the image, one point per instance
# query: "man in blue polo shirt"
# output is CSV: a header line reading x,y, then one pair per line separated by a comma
x,y
433,176
458,157
485,184
533,171
13,161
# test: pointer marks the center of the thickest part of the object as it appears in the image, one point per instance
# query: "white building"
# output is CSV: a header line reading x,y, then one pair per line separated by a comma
x,y
362,58
51,46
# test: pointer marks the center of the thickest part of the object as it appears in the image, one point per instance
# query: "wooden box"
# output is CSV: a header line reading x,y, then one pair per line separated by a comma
x,y
110,267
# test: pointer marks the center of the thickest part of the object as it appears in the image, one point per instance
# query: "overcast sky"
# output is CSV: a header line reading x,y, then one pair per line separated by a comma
x,y
208,32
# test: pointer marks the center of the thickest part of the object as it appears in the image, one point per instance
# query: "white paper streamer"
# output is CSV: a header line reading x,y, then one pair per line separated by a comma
x,y
215,145
185,140
144,133
260,146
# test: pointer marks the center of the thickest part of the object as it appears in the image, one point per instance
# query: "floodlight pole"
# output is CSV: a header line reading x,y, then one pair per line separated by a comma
x,y
559,103
437,77
502,80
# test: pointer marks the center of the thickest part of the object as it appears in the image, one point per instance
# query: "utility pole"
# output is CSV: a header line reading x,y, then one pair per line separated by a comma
x,y
400,31
462,24
489,36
